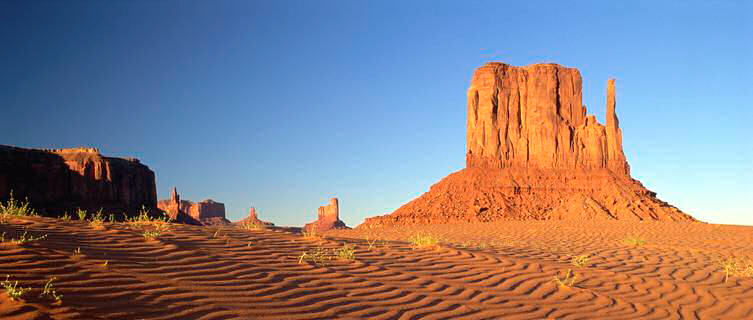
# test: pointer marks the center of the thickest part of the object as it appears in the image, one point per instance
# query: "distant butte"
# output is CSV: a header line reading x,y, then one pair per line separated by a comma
x,y
328,218
207,212
532,153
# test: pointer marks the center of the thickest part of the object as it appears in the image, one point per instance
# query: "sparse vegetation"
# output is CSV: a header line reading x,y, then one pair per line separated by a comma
x,y
421,240
49,291
81,214
77,252
375,242
15,208
13,290
345,252
319,256
97,219
634,240
112,218
568,281
736,267
251,225
310,233
66,217
579,261
24,238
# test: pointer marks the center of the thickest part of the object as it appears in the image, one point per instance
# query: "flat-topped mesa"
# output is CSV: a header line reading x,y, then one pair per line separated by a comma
x,y
533,117
57,181
328,217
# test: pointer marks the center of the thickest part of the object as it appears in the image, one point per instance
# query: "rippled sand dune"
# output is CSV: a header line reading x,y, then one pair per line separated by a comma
x,y
479,271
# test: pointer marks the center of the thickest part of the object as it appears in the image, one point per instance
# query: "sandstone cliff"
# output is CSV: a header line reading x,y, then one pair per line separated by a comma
x,y
207,212
60,180
533,117
328,217
532,152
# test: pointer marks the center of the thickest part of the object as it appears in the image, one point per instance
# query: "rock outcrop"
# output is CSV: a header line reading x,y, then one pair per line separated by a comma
x,y
328,218
532,152
61,180
207,212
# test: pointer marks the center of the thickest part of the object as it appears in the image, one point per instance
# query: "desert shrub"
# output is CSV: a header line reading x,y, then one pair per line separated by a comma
x,y
16,208
81,214
97,219
421,240
49,291
13,290
251,225
319,256
345,252
568,281
736,267
24,238
579,261
634,240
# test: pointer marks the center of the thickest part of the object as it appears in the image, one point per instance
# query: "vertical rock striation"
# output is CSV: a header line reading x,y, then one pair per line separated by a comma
x,y
533,117
532,152
61,180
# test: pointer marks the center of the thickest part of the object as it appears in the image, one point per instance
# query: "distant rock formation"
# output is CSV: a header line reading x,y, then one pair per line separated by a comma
x,y
207,212
533,153
328,218
253,218
61,180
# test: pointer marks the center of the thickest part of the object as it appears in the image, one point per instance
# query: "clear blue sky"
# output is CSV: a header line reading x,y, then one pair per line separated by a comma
x,y
283,104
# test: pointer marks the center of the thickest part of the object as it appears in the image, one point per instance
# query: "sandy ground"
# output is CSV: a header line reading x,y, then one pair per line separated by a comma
x,y
479,271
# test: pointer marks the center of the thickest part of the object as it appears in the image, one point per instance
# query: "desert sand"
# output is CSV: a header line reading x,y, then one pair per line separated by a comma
x,y
498,270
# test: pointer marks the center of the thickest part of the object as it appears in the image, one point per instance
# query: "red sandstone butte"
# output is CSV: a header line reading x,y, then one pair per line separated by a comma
x,y
61,180
532,152
328,218
207,212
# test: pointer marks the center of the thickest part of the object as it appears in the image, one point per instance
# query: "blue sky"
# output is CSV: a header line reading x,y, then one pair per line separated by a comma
x,y
283,104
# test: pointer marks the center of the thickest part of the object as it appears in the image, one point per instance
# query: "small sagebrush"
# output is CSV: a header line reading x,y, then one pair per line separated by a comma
x,y
24,238
49,291
310,233
16,208
81,214
568,281
97,219
251,225
66,217
319,256
13,290
579,261
736,267
634,240
345,252
421,240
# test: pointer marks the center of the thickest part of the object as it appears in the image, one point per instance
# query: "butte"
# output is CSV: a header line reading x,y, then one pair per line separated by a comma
x,y
532,153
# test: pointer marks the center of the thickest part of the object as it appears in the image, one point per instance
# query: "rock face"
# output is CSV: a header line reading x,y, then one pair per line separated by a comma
x,y
533,153
328,218
533,117
60,180
207,212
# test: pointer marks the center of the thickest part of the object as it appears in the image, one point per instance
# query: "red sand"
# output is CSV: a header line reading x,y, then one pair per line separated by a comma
x,y
480,271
